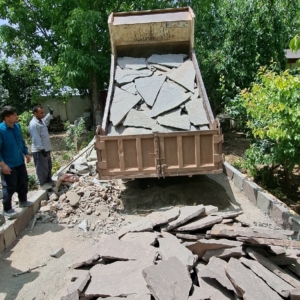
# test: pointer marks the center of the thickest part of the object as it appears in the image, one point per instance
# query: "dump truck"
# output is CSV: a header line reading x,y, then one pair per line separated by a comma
x,y
157,120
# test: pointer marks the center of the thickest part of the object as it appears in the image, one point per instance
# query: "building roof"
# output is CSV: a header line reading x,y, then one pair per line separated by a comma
x,y
292,55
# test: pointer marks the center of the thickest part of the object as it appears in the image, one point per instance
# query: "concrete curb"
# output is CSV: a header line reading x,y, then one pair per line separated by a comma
x,y
11,229
278,211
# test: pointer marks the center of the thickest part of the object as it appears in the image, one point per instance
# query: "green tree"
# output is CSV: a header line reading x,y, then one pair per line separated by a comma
x,y
273,110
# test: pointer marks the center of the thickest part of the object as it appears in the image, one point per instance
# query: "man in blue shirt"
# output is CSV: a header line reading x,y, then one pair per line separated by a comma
x,y
14,177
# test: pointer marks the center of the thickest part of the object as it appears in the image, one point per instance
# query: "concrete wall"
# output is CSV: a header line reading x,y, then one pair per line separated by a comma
x,y
70,110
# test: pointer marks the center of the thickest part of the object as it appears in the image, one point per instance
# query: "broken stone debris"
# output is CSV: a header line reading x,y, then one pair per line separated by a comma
x,y
157,264
163,92
58,253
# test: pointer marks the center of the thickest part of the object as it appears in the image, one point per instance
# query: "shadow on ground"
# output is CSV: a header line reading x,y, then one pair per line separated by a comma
x,y
147,194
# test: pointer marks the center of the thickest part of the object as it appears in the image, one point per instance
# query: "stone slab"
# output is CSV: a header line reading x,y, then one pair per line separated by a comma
x,y
224,253
200,293
209,209
161,68
201,246
149,87
273,267
184,75
215,269
135,63
24,218
144,107
143,238
160,128
270,242
130,88
167,60
192,237
110,280
169,279
122,130
251,286
223,230
170,96
9,234
87,258
143,224
136,118
160,217
274,282
121,104
196,111
228,214
205,222
126,76
174,119
170,247
283,260
250,189
80,279
186,213
295,294
73,198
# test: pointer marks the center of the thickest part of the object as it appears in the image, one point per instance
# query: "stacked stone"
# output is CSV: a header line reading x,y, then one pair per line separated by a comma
x,y
188,253
158,94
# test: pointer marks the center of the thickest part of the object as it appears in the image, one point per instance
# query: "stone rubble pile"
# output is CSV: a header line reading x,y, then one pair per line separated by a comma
x,y
192,253
80,196
158,94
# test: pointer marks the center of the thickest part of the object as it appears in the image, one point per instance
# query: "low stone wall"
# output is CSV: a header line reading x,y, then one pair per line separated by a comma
x,y
278,211
10,230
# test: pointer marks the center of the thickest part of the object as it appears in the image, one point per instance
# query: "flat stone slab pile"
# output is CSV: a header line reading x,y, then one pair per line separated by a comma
x,y
158,94
188,253
77,203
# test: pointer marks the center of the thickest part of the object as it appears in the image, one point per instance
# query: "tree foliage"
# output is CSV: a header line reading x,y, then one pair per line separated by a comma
x,y
273,112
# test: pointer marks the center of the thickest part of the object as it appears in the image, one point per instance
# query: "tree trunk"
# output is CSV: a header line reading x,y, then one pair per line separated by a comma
x,y
286,178
96,101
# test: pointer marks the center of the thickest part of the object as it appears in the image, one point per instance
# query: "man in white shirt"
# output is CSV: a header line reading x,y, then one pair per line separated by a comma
x,y
41,145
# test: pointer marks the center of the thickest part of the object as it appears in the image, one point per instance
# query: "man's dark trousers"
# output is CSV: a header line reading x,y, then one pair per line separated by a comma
x,y
16,181
43,166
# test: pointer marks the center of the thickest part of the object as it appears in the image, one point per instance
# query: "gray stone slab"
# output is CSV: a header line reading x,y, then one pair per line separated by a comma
x,y
161,68
193,237
224,253
184,75
276,283
215,269
149,87
136,118
223,230
170,247
196,111
122,103
295,294
217,290
251,286
238,179
210,209
115,130
201,223
144,107
130,88
277,250
88,257
164,129
143,238
250,190
228,214
169,279
273,267
110,247
201,246
186,213
80,279
200,293
205,127
163,217
110,280
264,201
281,215
169,97
228,169
143,224
136,131
127,75
175,119
168,60
135,63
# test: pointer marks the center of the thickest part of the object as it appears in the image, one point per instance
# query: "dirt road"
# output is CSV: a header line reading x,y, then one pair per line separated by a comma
x,y
139,198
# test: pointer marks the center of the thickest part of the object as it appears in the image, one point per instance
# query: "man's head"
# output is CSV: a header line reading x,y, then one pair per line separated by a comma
x,y
38,112
9,115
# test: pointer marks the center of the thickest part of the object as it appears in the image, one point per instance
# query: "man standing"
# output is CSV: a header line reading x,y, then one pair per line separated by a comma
x,y
14,177
41,145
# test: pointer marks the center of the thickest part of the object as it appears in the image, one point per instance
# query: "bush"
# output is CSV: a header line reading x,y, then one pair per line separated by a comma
x,y
24,120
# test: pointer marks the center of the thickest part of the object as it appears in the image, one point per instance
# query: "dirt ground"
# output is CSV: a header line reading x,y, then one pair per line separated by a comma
x,y
139,197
